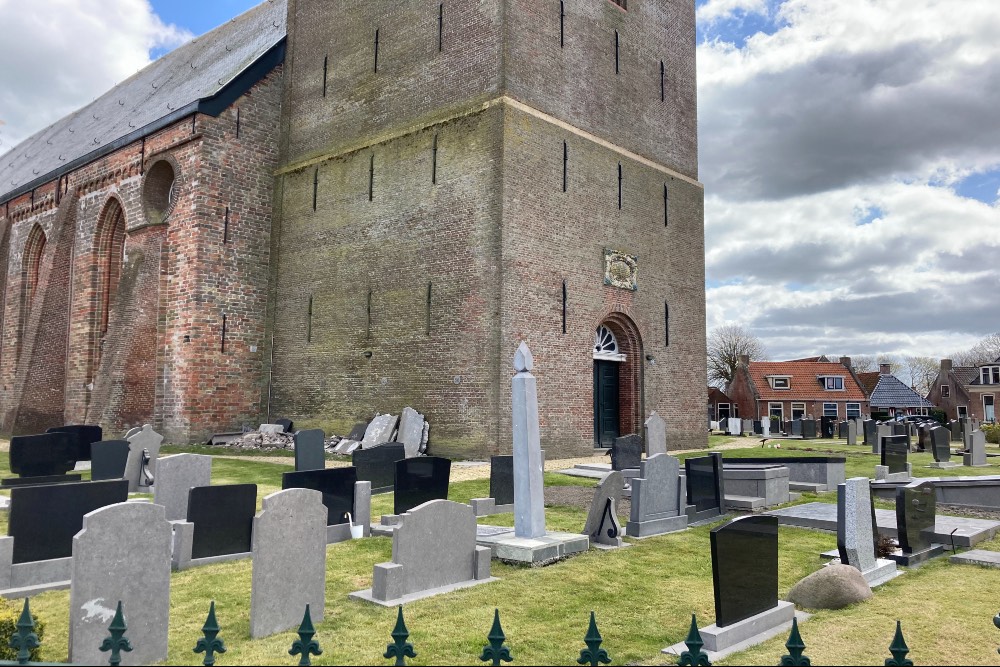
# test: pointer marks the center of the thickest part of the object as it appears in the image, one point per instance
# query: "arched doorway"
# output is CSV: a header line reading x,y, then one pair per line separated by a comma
x,y
617,357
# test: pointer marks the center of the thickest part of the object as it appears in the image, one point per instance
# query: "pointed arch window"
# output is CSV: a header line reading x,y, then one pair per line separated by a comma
x,y
110,258
34,250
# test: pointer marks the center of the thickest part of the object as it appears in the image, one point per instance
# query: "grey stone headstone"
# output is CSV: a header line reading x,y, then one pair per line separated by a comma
x,y
289,561
882,431
146,439
271,429
529,500
765,428
132,431
122,553
941,444
796,427
975,449
852,432
411,431
425,438
380,431
655,497
175,477
602,523
656,435
855,534
747,427
735,426
310,450
433,547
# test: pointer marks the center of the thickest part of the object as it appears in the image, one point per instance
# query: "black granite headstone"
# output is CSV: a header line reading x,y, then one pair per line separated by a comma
x,y
420,480
808,429
870,429
223,519
502,479
286,424
894,451
842,430
758,428
358,432
336,485
44,519
829,427
626,452
744,568
83,436
310,450
704,483
941,444
916,511
11,482
109,458
378,465
42,455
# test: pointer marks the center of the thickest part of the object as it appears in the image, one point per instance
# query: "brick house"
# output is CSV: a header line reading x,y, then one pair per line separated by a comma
x,y
269,222
888,396
967,391
720,406
793,389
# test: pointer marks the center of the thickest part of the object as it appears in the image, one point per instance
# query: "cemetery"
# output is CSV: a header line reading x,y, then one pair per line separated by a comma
x,y
173,547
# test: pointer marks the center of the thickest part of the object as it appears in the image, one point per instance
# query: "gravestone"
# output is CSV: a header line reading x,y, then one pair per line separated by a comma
x,y
529,501
747,427
145,440
223,519
175,477
745,568
870,430
808,429
842,429
956,430
122,553
433,551
42,455
758,427
378,465
502,479
379,431
44,519
626,452
310,450
704,486
656,435
656,500
975,449
857,532
894,453
602,521
765,428
358,432
941,444
916,507
852,432
83,436
336,488
797,427
289,561
108,459
882,431
287,425
735,426
419,481
411,430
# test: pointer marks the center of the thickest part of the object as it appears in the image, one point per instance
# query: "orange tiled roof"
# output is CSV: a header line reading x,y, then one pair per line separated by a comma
x,y
869,381
804,383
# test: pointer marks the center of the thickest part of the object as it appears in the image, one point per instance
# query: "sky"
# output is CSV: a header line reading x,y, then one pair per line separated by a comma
x,y
850,152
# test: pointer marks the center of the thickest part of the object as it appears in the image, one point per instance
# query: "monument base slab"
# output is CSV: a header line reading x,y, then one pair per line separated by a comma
x,y
721,642
537,551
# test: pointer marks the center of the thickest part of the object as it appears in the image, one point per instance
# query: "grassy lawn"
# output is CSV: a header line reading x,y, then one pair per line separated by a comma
x,y
644,597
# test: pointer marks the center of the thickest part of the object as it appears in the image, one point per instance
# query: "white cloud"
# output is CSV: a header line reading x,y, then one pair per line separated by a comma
x,y
58,55
830,150
716,10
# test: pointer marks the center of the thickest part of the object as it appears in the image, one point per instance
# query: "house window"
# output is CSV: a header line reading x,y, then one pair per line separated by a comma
x,y
922,412
945,391
798,410
834,383
781,383
777,410
963,412
830,410
989,408
853,410
991,375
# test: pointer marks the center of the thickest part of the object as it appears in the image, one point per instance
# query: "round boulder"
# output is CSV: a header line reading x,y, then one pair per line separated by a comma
x,y
832,587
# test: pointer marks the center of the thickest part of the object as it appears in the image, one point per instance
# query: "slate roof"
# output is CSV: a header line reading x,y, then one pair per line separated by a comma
x,y
168,89
889,391
966,374
804,383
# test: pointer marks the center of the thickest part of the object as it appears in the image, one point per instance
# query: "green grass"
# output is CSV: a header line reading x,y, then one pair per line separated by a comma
x,y
643,596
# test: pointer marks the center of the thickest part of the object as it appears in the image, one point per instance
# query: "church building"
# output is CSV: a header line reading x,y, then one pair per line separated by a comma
x,y
325,209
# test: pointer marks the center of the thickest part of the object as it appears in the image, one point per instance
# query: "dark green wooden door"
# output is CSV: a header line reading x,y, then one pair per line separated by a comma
x,y
605,402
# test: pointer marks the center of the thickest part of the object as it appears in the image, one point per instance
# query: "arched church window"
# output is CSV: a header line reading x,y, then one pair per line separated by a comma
x,y
606,345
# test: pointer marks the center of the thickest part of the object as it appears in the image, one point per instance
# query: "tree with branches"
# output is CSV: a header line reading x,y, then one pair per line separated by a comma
x,y
985,351
726,344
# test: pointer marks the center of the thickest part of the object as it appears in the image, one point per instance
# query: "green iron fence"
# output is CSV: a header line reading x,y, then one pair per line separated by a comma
x,y
495,652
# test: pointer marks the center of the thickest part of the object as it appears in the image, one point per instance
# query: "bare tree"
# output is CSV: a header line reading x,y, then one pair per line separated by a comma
x,y
726,344
922,371
864,363
985,351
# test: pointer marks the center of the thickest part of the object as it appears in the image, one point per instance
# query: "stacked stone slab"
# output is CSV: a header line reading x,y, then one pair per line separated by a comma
x,y
122,554
411,431
289,561
657,498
